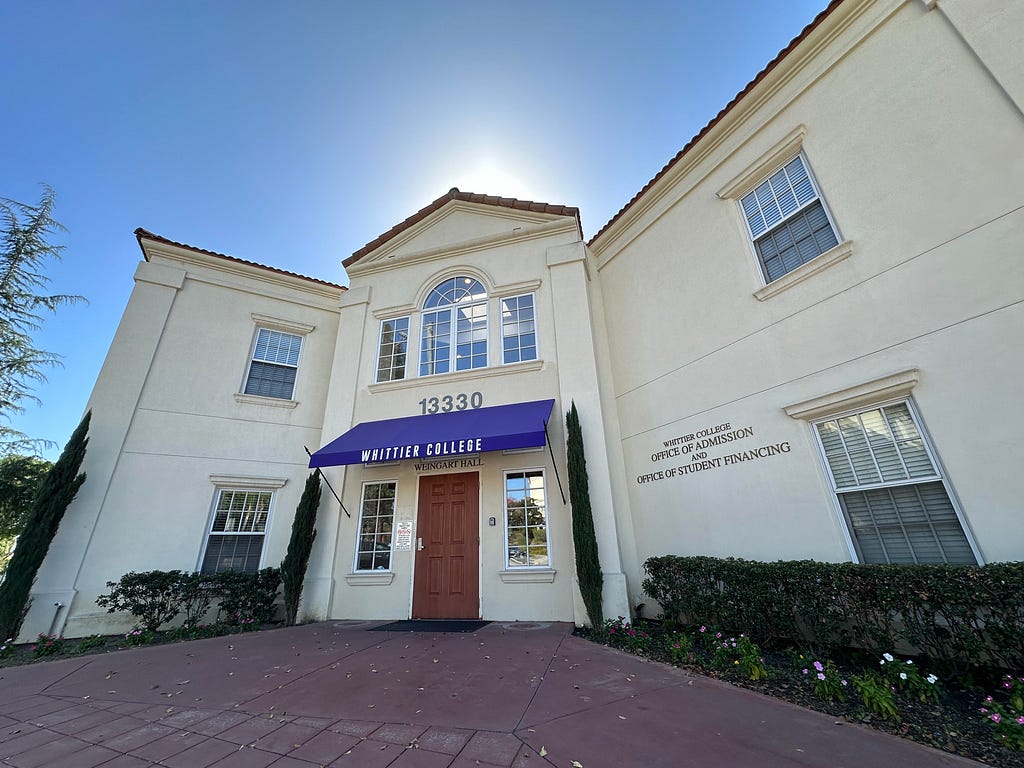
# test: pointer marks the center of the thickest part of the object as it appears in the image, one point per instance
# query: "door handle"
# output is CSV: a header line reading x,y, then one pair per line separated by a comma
x,y
419,543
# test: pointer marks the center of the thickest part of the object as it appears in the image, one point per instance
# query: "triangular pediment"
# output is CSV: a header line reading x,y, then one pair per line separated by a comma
x,y
460,219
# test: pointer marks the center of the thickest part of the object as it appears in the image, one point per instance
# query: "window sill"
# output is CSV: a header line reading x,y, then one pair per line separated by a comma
x,y
443,378
370,578
274,402
814,266
528,576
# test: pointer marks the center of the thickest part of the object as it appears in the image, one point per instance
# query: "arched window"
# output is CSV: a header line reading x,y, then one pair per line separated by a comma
x,y
454,317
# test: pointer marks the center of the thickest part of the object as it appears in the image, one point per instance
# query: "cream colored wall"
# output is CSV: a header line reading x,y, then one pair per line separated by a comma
x,y
515,259
917,152
166,418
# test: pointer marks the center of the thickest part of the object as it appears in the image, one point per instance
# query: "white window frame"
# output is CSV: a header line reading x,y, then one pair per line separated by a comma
x,y
818,197
291,331
359,528
453,333
238,488
940,476
380,347
506,565
501,327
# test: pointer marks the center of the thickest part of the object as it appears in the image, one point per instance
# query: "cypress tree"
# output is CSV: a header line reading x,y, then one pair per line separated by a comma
x,y
588,564
293,567
55,493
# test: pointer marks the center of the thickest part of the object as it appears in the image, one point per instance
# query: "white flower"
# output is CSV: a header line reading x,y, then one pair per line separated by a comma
x,y
931,679
887,656
903,675
909,661
882,662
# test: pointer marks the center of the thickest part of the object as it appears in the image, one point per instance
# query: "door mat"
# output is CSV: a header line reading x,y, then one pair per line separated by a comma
x,y
432,625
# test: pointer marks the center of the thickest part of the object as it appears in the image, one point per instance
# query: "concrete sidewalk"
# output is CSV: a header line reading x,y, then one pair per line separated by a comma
x,y
335,694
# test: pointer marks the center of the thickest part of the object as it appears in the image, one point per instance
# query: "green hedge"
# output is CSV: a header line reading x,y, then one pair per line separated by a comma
x,y
959,616
156,598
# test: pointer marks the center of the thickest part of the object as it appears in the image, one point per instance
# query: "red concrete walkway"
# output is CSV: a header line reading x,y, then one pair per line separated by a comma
x,y
335,694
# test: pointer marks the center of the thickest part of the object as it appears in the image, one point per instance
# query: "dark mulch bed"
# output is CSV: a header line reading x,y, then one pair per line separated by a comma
x,y
953,725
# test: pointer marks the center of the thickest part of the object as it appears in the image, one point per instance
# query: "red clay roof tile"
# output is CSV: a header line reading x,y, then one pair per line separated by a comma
x,y
469,197
725,110
142,234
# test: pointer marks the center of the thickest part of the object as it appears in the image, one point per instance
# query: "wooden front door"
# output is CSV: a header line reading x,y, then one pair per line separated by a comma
x,y
446,583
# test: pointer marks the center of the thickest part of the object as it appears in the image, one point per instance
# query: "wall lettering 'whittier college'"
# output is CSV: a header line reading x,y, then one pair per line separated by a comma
x,y
690,454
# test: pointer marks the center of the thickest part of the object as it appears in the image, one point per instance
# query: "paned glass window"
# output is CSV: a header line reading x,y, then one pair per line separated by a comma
x,y
275,360
237,532
890,489
518,331
526,520
454,334
394,344
787,220
376,526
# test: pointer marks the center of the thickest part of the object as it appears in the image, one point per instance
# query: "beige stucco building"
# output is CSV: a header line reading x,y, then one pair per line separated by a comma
x,y
801,339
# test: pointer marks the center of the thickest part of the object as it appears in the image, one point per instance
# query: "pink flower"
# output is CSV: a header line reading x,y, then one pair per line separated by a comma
x,y
1020,721
817,666
703,629
805,671
983,710
718,635
995,717
821,675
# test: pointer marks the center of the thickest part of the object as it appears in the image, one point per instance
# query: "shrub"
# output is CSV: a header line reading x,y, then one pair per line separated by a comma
x,y
739,654
195,593
825,680
679,647
588,562
139,637
247,597
47,645
300,545
153,597
904,676
876,693
1007,715
958,616
90,642
158,597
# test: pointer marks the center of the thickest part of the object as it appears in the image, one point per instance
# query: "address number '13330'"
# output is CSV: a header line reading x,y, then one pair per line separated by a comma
x,y
448,403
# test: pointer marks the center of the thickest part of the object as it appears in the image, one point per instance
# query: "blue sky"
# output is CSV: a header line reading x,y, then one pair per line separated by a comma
x,y
293,133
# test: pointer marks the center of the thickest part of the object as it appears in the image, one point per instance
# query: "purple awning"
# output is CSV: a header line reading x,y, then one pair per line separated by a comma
x,y
475,430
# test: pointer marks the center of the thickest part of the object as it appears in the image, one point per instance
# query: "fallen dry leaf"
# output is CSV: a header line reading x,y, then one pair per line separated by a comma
x,y
543,752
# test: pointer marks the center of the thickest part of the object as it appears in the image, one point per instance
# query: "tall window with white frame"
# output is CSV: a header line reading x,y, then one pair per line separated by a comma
x,y
394,346
518,329
890,488
526,520
237,531
376,526
787,220
275,361
454,327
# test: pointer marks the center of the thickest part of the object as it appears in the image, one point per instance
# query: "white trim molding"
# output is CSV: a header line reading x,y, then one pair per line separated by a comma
x,y
528,576
248,481
756,172
273,402
895,385
370,578
833,255
279,324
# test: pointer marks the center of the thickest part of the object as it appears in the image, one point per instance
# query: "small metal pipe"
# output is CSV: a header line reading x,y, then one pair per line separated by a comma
x,y
56,614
